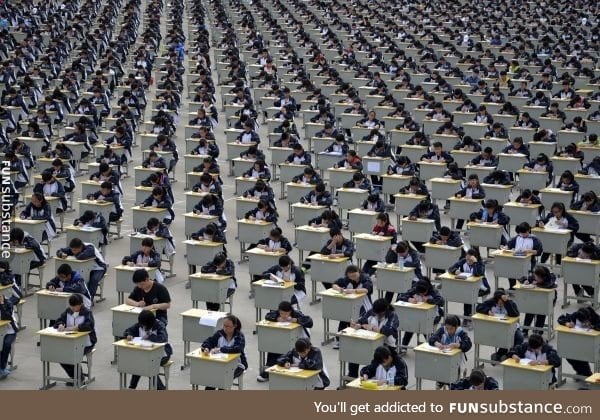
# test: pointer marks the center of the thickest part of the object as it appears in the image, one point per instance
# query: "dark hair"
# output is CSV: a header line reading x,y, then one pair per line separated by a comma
x,y
146,319
64,269
380,306
477,377
237,324
452,320
285,306
523,227
381,353
75,299
148,242
445,231
76,243
140,275
285,261
535,341
302,344
352,269
17,234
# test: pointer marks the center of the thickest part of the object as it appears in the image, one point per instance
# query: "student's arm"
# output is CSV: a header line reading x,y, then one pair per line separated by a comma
x,y
553,358
401,378
239,343
86,253
133,331
435,339
286,358
465,342
304,320
159,334
369,370
131,299
272,315
211,342
460,385
314,360
88,322
349,251
390,328
164,299
62,320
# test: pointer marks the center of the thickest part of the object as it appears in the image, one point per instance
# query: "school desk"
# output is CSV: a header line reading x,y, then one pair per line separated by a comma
x,y
201,252
593,381
35,228
214,370
511,162
391,184
77,148
400,137
461,290
241,165
147,140
357,346
419,230
276,337
61,347
303,213
97,206
124,282
90,187
50,305
361,221
198,325
500,193
414,153
192,161
495,143
440,256
137,359
443,188
485,234
194,222
209,287
588,182
429,170
268,296
463,158
538,301
43,164
325,160
349,120
538,147
339,306
19,260
588,222
436,365
293,379
566,137
510,266
35,144
319,144
243,184
475,130
339,176
493,331
87,234
141,173
243,205
83,266
251,231
405,203
520,213
448,140
350,198
578,344
310,238
549,196
231,134
415,317
374,165
525,133
358,383
193,198
532,180
296,191
461,208
287,171
371,247
555,241
525,377
583,272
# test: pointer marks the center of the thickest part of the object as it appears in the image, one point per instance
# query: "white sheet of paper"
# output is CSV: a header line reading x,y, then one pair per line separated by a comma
x,y
211,319
524,362
373,166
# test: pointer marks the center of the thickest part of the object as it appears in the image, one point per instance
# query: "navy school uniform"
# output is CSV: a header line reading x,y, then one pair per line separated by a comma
x,y
236,345
434,299
84,320
396,374
547,352
295,275
497,217
41,213
460,337
7,313
162,231
228,270
388,325
478,270
98,270
312,361
581,367
113,197
364,282
518,243
313,197
509,309
490,384
76,285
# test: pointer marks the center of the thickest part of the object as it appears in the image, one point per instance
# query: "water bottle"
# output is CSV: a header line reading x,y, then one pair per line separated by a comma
x,y
401,263
390,377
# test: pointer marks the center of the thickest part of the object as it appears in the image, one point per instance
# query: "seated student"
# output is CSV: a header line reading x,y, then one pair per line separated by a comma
x,y
468,144
64,172
150,295
39,209
212,205
541,164
418,139
253,153
477,381
415,186
161,230
85,251
592,168
319,196
542,278
77,318
421,291
339,146
452,336
354,281
275,242
288,271
538,352
486,158
471,264
501,304
524,243
567,183
498,177
337,247
387,368
154,161
374,203
18,238
405,256
359,181
160,199
582,319
260,191
230,339
50,187
91,219
517,147
558,218
437,155
382,319
352,161
8,301
497,131
426,210
586,251
147,256
284,313
69,281
264,211
299,156
223,266
152,328
492,213
107,193
308,177
402,166
473,190
207,148
260,170
328,219
305,356
382,227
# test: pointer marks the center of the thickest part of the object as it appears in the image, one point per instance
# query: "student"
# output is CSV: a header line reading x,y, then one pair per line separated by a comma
x,y
582,319
567,183
223,266
230,339
319,196
284,313
161,200
437,155
426,210
387,368
264,211
452,336
491,213
541,164
477,381
7,313
354,281
39,209
502,305
374,203
337,247
382,319
486,158
382,227
352,161
471,264
308,177
21,239
69,281
299,156
151,328
147,256
50,187
288,271
402,166
538,352
524,244
91,219
473,190
328,219
305,356
85,251
405,256
585,251
107,193
261,191
212,205
161,230
543,278
150,295
421,291
359,180
414,187
558,218
260,170
77,318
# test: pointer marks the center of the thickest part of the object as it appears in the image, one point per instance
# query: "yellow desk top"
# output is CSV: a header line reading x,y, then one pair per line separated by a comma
x,y
364,211
497,319
446,181
531,171
52,332
426,348
218,358
254,222
308,228
353,190
371,237
259,251
484,225
149,209
133,268
278,325
439,246
299,185
361,334
147,346
335,294
46,292
20,250
141,168
423,162
83,229
208,244
452,277
199,313
520,286
424,306
143,235
567,330
200,216
284,285
396,176
509,253
551,230
127,308
209,276
371,385
418,220
196,194
514,364
309,206
524,205
71,259
100,203
594,379
28,221
555,191
247,199
4,323
293,372
581,261
411,196
321,257
393,267
465,200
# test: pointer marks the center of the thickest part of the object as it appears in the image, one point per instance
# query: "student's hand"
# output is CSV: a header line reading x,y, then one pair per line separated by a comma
x,y
215,350
251,218
516,358
569,325
355,325
439,345
61,327
129,338
412,218
349,291
51,288
141,304
412,300
287,365
541,224
454,346
261,246
205,350
130,264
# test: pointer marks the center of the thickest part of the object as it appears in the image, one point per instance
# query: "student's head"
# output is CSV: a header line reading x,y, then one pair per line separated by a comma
x,y
231,324
380,307
558,209
472,256
47,177
477,379
16,236
152,223
499,296
487,153
437,147
567,177
523,229
37,199
262,205
75,302
309,172
106,187
103,168
423,207
353,273
320,188
336,234
541,274
383,356
157,193
589,197
146,319
422,287
285,309
382,219
302,347
285,262
445,233
402,248
491,205
76,245
141,279
451,324
473,180
535,342
220,260
147,245
64,273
